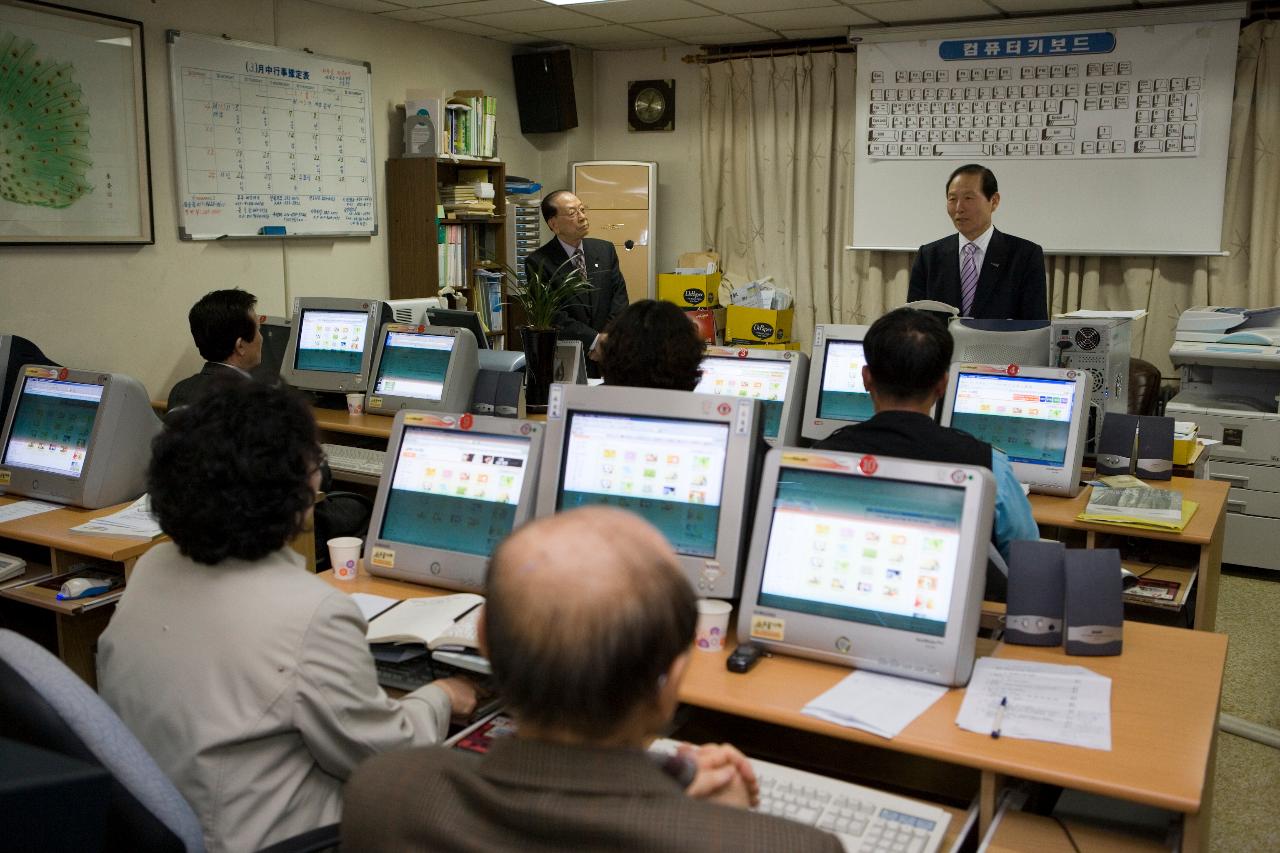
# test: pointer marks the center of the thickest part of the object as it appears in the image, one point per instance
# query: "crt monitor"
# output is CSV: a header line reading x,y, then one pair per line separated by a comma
x,y
1036,415
872,562
469,320
15,353
453,488
1022,342
331,343
775,378
77,437
426,368
684,462
275,333
836,396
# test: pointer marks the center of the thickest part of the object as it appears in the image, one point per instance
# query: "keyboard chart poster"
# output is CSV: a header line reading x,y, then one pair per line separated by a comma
x,y
1129,92
271,142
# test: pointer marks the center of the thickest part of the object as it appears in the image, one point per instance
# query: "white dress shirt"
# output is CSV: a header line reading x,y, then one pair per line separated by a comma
x,y
984,240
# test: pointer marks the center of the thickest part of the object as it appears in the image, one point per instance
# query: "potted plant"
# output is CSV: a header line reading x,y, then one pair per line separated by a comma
x,y
541,298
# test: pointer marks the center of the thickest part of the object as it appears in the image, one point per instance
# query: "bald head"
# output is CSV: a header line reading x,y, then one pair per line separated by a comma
x,y
586,610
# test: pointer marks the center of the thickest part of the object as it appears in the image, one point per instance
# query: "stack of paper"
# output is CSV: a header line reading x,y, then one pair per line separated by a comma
x,y
880,704
135,521
22,509
1038,701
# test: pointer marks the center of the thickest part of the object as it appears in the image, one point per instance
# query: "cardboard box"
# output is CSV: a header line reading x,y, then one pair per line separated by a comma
x,y
1184,449
789,345
758,325
710,323
690,291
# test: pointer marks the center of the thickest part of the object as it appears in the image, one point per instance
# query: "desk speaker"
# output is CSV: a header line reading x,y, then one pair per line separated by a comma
x,y
1117,444
1094,603
1036,593
1155,448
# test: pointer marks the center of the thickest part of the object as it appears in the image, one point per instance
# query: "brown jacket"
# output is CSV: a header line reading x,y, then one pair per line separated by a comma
x,y
531,796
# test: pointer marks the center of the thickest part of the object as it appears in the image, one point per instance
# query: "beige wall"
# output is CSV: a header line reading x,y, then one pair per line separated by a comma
x,y
124,308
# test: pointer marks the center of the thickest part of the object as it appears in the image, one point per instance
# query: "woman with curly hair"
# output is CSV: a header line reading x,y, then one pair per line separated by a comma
x,y
652,344
247,678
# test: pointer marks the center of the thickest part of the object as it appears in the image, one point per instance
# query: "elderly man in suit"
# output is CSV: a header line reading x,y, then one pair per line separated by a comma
x,y
588,627
987,274
590,312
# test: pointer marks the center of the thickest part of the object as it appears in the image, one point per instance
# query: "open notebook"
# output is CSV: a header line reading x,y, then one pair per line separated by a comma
x,y
441,622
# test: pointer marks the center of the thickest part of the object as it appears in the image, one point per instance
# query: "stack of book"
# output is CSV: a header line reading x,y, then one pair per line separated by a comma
x,y
461,202
452,255
488,298
471,123
1139,506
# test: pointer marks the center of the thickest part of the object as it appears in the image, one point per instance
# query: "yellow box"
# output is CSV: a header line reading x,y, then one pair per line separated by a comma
x,y
1183,450
789,345
758,325
689,291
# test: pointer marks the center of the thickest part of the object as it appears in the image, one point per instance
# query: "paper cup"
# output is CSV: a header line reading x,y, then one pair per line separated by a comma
x,y
344,557
712,625
355,404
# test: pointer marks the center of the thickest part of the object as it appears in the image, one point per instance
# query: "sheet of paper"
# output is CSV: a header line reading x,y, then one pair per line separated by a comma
x,y
22,509
135,521
880,704
1049,702
1104,315
371,605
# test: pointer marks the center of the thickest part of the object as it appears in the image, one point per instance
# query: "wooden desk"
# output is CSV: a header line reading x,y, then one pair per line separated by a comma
x,y
338,422
1203,535
46,542
1163,723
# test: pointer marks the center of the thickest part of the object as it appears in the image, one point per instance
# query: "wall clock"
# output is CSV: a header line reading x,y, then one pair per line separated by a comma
x,y
651,105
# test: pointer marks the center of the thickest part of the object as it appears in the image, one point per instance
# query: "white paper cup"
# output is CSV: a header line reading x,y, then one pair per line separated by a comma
x,y
355,404
712,625
344,557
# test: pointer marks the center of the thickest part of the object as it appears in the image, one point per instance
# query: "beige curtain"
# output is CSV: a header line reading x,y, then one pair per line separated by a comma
x,y
777,175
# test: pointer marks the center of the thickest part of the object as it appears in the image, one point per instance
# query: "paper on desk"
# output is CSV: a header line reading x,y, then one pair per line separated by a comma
x,y
1085,313
1049,702
22,509
371,605
135,521
880,704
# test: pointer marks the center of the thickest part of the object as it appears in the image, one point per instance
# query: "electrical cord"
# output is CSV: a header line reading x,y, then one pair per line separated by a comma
x,y
1070,838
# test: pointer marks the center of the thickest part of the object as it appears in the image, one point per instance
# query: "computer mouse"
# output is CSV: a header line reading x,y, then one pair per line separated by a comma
x,y
83,588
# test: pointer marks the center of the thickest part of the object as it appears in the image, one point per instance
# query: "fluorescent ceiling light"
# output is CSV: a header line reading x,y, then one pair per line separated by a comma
x,y
573,2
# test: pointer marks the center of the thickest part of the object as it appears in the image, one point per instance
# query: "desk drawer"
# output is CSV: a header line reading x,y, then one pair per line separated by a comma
x,y
1242,475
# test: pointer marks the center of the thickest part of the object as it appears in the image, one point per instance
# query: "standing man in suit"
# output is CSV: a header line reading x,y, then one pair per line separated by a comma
x,y
588,626
588,313
985,273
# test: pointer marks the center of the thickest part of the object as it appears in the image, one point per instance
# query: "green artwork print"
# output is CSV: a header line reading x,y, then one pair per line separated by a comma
x,y
44,128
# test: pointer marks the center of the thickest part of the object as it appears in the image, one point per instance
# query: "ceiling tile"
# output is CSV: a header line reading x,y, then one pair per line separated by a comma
x,y
537,20
734,7
648,10
1023,7
413,15
815,33
423,4
913,11
698,30
527,39
461,25
488,7
826,17
611,34
364,5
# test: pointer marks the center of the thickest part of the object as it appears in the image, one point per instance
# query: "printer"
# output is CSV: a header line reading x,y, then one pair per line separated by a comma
x,y
1228,360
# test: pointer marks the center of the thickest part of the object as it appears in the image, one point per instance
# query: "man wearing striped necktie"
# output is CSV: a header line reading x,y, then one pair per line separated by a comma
x,y
987,274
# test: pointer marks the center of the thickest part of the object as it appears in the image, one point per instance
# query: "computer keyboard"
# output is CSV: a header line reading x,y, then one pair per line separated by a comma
x,y
864,819
355,460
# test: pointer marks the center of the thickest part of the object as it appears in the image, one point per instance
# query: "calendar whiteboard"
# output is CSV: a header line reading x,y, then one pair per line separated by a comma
x,y
270,142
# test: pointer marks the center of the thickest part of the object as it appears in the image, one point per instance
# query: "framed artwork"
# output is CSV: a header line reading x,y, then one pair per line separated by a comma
x,y
74,158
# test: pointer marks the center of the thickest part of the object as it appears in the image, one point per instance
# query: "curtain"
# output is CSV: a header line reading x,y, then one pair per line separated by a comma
x,y
777,188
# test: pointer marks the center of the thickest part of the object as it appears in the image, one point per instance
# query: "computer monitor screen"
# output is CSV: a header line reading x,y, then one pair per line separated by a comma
x,y
77,437
836,396
859,557
776,379
455,486
427,368
52,425
331,341
1035,415
684,462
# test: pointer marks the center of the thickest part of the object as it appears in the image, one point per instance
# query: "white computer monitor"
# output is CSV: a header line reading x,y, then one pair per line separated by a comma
x,y
454,486
872,562
77,437
836,396
331,343
425,368
776,378
1022,342
682,461
1036,415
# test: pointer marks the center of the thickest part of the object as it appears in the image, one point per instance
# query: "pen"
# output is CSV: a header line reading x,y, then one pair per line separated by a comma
x,y
464,613
999,720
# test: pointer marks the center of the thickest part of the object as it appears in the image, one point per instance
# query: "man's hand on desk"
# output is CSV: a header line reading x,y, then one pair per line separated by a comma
x,y
724,775
462,693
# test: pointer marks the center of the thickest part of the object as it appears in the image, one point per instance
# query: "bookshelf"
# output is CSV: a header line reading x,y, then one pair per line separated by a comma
x,y
413,252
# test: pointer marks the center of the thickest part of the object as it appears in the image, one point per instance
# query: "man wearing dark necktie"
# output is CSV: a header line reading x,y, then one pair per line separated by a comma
x,y
987,274
589,313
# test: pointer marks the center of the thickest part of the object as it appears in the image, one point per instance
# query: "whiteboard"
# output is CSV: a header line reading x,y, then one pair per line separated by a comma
x,y
270,142
1104,141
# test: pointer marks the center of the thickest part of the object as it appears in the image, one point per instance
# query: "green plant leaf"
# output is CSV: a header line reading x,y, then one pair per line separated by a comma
x,y
543,298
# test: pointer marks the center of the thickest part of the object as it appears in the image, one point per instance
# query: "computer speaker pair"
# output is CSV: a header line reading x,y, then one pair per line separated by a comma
x,y
1057,593
1133,444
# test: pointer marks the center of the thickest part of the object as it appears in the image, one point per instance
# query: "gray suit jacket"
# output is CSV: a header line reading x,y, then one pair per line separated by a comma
x,y
253,688
534,797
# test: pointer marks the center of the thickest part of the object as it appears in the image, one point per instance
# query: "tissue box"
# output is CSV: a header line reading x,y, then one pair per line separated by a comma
x,y
689,291
758,325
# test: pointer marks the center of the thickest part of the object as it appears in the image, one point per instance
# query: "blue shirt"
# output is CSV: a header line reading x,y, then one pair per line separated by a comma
x,y
1013,518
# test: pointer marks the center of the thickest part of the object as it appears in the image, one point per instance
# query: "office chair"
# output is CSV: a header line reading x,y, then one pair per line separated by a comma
x,y
44,704
1144,387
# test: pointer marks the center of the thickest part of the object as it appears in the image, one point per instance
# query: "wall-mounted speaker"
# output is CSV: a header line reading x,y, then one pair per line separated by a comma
x,y
544,91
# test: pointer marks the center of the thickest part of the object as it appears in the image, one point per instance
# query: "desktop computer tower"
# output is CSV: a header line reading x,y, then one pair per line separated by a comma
x,y
1099,345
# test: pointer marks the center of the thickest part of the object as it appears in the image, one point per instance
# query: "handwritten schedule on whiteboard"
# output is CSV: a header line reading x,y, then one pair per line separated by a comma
x,y
270,142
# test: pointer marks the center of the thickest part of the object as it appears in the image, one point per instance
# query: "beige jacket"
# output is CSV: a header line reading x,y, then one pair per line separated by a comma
x,y
252,686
